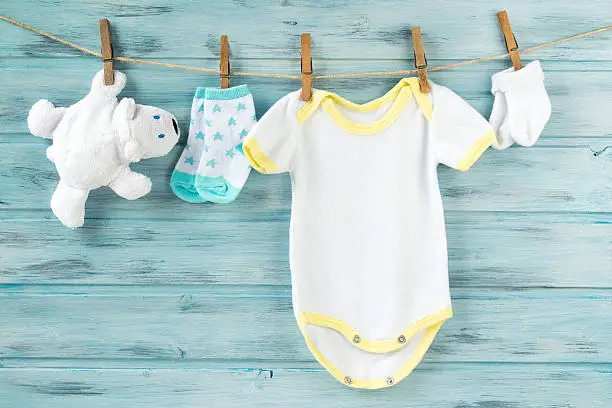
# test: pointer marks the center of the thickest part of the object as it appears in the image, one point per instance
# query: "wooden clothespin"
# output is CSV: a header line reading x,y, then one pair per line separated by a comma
x,y
107,52
306,68
511,44
420,61
224,65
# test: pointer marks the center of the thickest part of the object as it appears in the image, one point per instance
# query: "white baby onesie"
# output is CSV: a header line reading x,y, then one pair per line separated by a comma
x,y
368,246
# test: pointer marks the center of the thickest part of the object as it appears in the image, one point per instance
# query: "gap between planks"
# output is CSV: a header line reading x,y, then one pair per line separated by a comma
x,y
243,365
592,144
285,216
11,290
407,62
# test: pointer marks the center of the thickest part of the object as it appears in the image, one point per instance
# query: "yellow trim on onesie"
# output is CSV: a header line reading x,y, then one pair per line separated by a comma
x,y
432,323
476,151
373,346
399,94
256,157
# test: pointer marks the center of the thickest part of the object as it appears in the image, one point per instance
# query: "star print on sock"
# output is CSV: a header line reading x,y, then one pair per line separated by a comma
x,y
217,136
230,153
243,133
187,146
207,122
200,135
254,117
240,107
231,121
239,148
206,148
211,163
201,108
216,108
189,160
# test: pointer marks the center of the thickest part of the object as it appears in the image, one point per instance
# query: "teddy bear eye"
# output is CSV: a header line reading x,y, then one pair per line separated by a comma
x,y
161,135
155,116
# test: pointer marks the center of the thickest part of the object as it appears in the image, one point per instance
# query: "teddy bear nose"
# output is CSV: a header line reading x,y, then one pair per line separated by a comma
x,y
175,125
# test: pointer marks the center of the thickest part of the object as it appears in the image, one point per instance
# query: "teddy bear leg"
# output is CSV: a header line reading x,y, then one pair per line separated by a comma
x,y
131,185
68,205
50,156
43,118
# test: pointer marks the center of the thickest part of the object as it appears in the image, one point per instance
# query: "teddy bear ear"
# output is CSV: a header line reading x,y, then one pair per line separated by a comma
x,y
127,108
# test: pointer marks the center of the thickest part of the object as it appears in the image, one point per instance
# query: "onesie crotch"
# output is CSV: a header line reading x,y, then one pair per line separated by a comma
x,y
426,327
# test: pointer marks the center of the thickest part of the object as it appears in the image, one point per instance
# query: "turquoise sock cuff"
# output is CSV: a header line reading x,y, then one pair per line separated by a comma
x,y
217,94
200,93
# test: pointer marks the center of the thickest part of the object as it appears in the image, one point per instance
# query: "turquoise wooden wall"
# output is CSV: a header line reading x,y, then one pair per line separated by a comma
x,y
159,303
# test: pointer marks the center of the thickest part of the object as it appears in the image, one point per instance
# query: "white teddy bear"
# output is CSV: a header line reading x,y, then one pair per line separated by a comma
x,y
94,142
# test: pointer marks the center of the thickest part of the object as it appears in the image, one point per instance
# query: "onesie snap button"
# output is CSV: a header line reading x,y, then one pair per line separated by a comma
x,y
401,339
389,380
356,339
348,380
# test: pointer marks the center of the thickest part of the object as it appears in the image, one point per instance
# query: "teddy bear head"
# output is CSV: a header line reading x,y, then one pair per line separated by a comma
x,y
145,131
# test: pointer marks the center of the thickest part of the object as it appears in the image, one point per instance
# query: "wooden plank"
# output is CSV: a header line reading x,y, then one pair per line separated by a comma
x,y
478,385
518,179
240,322
485,249
576,111
342,30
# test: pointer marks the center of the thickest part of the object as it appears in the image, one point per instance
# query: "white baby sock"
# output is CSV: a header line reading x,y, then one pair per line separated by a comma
x,y
229,114
521,107
182,181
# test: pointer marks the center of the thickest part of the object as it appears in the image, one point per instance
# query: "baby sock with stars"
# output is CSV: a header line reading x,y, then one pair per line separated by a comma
x,y
183,177
229,114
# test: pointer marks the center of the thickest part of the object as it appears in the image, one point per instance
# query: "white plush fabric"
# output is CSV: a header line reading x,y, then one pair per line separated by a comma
x,y
521,108
94,142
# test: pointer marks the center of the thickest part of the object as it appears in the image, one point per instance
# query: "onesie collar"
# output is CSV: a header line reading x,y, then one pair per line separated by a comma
x,y
400,94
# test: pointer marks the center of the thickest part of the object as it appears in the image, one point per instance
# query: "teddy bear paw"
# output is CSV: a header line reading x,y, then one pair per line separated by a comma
x,y
68,205
131,185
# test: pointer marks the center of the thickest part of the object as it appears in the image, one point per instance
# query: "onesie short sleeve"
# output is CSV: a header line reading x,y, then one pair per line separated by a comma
x,y
460,134
272,142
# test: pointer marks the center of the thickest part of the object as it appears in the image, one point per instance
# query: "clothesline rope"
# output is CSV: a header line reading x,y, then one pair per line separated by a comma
x,y
280,76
